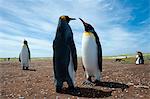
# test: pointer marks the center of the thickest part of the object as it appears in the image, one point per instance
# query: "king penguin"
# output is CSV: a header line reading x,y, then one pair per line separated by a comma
x,y
64,55
25,56
139,58
91,54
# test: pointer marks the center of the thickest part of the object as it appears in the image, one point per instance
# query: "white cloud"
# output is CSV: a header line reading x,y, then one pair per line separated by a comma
x,y
37,21
11,46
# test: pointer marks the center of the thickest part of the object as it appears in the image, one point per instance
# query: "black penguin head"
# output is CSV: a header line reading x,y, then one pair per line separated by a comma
x,y
140,53
88,27
66,18
25,42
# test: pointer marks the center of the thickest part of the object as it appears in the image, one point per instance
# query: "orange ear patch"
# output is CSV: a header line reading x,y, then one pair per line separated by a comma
x,y
63,17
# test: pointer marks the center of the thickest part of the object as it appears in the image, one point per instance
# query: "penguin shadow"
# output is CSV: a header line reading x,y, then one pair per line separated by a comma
x,y
88,93
113,85
30,69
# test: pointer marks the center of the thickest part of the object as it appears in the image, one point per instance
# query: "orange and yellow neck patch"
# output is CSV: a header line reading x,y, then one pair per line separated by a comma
x,y
89,34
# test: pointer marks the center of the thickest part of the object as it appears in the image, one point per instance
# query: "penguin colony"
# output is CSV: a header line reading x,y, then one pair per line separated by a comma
x,y
65,55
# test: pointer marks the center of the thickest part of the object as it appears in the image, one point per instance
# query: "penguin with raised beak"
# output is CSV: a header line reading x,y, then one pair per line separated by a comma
x,y
91,54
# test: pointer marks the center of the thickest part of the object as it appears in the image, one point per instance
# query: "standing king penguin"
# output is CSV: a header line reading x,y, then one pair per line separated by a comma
x,y
64,56
24,56
91,54
139,58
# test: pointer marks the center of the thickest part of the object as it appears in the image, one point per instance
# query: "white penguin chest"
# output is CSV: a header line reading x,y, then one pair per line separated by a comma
x,y
24,55
137,59
89,51
24,52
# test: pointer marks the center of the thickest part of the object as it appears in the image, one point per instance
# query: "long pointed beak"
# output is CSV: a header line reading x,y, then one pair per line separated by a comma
x,y
72,19
82,20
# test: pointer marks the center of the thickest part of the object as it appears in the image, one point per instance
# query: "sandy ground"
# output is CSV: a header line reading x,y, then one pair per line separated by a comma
x,y
123,81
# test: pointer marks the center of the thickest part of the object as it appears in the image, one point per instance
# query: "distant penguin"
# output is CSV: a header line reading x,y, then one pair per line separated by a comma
x,y
24,56
91,54
64,56
139,58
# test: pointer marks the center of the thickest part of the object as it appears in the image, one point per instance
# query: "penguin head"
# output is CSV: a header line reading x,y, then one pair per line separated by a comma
x,y
88,27
66,18
139,53
25,42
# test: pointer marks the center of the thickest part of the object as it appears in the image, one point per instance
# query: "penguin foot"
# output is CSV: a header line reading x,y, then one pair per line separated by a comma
x,y
88,83
97,82
27,68
58,90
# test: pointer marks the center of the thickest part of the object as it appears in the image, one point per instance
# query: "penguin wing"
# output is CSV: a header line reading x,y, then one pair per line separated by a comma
x,y
72,46
99,51
73,53
82,65
29,52
20,57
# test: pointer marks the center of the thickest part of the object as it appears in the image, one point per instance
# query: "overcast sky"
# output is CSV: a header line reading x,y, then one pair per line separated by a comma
x,y
123,26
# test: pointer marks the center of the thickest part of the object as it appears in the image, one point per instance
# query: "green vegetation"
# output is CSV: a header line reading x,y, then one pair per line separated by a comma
x,y
6,59
147,57
129,60
34,58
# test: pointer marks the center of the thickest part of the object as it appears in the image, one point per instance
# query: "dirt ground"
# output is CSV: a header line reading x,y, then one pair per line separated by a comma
x,y
119,80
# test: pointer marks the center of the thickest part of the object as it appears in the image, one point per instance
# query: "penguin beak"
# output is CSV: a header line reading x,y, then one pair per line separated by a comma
x,y
72,19
83,22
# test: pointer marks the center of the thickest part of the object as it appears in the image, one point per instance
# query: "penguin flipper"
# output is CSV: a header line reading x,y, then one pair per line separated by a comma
x,y
19,57
29,52
99,51
74,54
82,65
100,60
